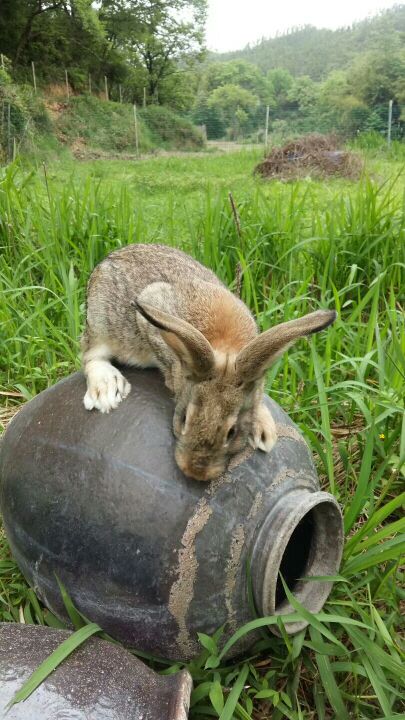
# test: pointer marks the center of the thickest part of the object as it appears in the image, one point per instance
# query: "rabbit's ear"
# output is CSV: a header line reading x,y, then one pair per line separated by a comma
x,y
191,347
256,357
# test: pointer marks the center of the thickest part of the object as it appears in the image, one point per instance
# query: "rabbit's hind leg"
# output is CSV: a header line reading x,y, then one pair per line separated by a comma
x,y
106,386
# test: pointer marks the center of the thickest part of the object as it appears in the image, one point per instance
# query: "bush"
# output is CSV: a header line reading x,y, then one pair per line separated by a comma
x,y
110,126
98,124
22,115
170,130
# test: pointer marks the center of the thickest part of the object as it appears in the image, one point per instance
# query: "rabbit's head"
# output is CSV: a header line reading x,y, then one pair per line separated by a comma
x,y
217,394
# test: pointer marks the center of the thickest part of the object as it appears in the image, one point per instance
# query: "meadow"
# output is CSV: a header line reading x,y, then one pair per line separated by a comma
x,y
295,247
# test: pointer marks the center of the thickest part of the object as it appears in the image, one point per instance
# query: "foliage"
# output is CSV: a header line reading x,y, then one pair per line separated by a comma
x,y
159,34
138,44
318,52
51,33
98,124
377,77
169,130
347,101
87,124
324,80
22,114
237,72
151,50
301,246
235,107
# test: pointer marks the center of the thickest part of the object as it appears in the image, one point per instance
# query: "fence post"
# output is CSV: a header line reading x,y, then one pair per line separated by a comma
x,y
266,131
8,131
144,97
33,76
136,131
120,90
389,123
89,84
106,87
67,85
2,61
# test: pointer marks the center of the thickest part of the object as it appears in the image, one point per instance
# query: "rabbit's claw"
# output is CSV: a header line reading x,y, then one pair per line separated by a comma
x,y
264,431
106,387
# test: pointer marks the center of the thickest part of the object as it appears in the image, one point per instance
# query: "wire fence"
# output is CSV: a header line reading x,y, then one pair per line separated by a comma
x,y
97,117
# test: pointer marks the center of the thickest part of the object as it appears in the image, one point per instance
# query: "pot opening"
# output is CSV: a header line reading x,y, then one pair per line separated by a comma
x,y
296,556
302,538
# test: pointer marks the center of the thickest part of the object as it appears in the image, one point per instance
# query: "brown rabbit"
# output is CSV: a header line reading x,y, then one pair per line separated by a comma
x,y
154,306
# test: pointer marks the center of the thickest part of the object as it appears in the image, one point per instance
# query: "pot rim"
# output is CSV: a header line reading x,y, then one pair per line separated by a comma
x,y
324,555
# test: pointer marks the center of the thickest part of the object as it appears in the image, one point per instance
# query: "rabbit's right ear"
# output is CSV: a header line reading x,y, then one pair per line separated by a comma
x,y
256,357
191,347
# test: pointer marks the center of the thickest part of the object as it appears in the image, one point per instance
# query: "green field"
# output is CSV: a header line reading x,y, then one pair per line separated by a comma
x,y
301,246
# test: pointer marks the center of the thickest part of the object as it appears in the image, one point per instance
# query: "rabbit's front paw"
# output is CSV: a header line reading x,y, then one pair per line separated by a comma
x,y
264,431
106,387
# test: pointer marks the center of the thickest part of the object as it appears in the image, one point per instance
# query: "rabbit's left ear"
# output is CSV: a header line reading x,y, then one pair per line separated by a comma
x,y
256,357
191,347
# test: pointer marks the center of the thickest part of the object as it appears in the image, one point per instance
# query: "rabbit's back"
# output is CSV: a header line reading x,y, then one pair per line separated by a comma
x,y
135,266
130,272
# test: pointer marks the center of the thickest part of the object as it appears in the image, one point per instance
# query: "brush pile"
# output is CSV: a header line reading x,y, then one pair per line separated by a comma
x,y
316,156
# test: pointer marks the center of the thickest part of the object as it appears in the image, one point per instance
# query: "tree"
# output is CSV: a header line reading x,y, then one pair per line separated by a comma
x,y
303,93
54,34
379,76
235,105
165,36
23,19
280,80
238,72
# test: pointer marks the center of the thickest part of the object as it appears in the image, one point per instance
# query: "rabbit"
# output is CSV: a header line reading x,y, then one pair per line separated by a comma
x,y
155,306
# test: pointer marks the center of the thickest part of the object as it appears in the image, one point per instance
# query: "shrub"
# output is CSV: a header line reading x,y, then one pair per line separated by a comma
x,y
171,130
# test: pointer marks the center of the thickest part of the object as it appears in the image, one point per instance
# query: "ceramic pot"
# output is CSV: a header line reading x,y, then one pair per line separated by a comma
x,y
147,553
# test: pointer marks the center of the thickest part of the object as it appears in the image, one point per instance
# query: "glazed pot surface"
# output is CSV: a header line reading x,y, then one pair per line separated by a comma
x,y
152,556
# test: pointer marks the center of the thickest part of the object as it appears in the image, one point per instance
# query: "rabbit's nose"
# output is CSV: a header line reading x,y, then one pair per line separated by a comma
x,y
197,469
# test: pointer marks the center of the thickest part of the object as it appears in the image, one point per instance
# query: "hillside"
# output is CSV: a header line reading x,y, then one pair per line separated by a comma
x,y
317,52
87,125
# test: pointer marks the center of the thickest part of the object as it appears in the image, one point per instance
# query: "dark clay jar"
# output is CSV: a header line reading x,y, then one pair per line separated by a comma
x,y
147,553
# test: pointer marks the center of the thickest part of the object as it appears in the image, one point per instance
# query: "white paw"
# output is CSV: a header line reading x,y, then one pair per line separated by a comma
x,y
264,432
106,387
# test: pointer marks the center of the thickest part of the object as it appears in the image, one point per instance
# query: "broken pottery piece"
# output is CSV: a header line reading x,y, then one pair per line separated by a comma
x,y
98,681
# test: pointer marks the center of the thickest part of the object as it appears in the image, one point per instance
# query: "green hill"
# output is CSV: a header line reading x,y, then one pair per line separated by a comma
x,y
87,125
316,52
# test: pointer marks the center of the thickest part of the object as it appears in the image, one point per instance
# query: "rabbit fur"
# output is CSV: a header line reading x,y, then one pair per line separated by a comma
x,y
155,306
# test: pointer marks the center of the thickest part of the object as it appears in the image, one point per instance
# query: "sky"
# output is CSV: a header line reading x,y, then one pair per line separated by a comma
x,y
232,24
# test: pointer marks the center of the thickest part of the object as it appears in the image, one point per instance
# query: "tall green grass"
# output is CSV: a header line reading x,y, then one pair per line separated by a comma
x,y
299,247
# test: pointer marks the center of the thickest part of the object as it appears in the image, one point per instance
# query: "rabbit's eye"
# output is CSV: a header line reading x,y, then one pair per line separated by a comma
x,y
183,418
231,433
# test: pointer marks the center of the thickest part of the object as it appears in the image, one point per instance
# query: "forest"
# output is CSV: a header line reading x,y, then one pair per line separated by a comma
x,y
153,52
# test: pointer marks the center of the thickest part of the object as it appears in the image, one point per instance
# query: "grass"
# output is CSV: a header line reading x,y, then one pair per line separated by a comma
x,y
110,126
49,124
300,246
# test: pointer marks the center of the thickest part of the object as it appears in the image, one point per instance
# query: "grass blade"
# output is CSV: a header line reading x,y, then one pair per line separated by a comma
x,y
233,697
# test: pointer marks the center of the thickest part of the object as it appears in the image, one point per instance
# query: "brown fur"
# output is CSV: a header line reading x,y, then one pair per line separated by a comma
x,y
203,339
